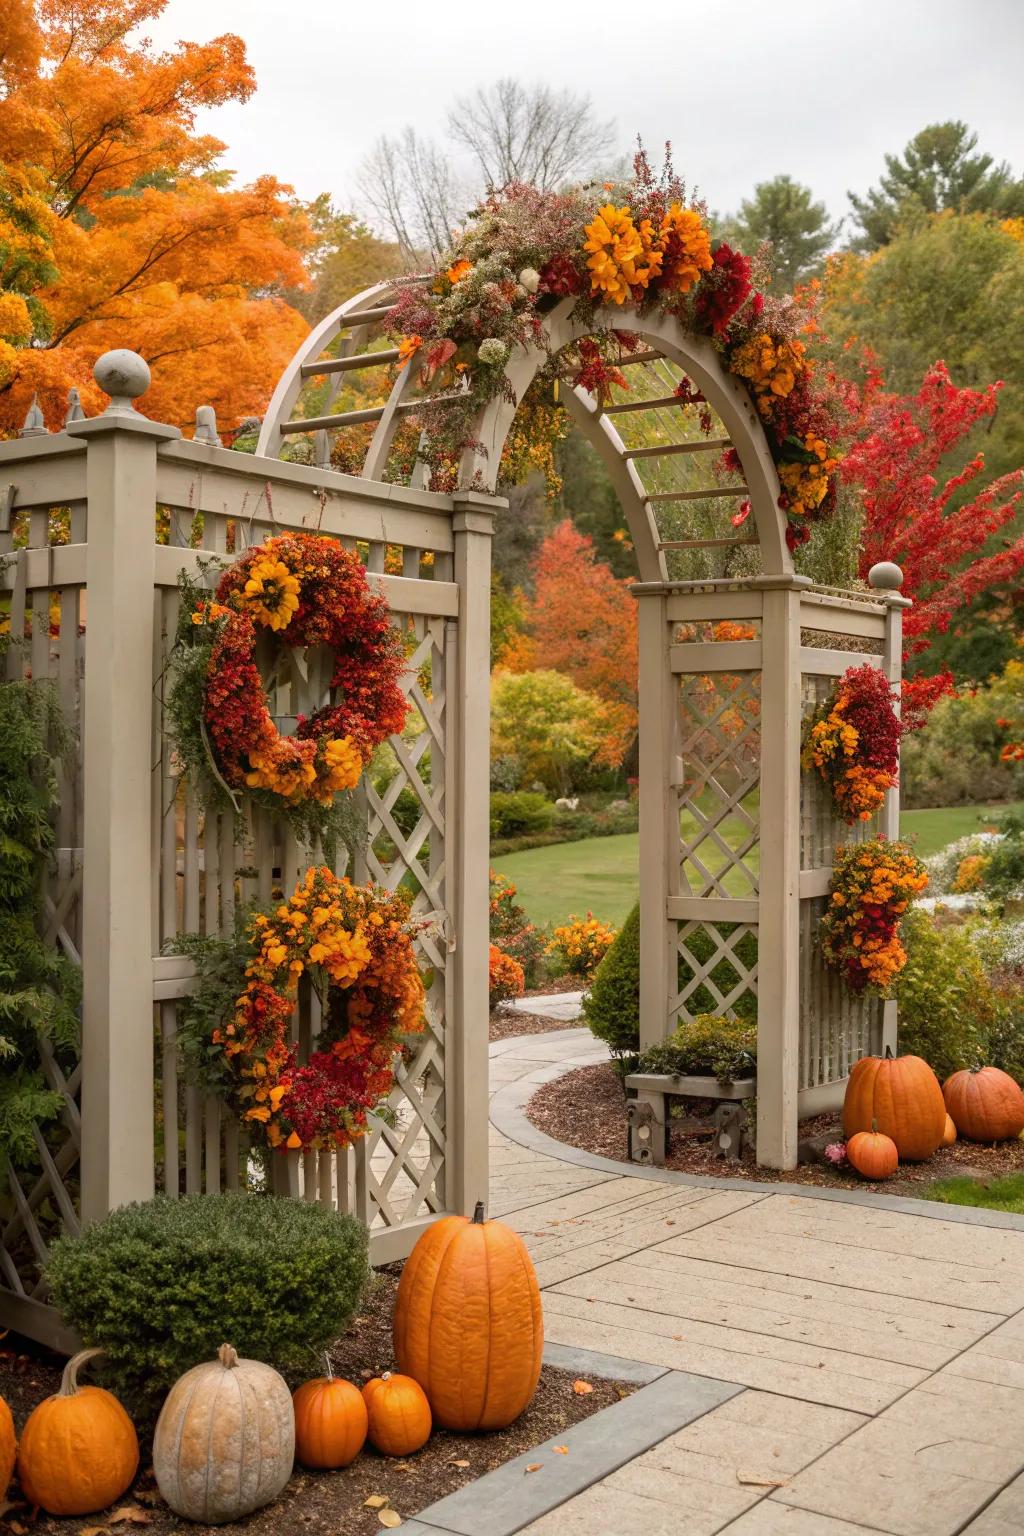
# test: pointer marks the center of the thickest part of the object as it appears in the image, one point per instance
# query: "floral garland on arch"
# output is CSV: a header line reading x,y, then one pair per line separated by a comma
x,y
873,885
853,740
638,242
355,943
303,590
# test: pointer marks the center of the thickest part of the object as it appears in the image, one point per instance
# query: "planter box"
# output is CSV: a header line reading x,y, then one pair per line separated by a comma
x,y
648,1111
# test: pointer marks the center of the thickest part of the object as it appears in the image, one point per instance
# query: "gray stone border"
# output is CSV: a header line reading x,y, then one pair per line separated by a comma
x,y
508,1115
509,1498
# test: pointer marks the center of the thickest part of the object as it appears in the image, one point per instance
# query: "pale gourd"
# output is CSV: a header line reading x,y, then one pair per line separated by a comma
x,y
225,1439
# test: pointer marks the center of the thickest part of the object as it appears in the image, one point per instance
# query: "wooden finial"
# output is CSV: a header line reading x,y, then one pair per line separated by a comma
x,y
206,426
34,426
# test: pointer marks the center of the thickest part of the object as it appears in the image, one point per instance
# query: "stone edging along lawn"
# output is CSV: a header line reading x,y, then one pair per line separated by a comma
x,y
508,1115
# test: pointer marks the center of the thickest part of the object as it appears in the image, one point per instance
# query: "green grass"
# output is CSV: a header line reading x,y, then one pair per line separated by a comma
x,y
600,874
1005,1194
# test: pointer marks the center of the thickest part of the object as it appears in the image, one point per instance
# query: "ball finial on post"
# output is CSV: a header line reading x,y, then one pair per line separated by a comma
x,y
124,376
886,576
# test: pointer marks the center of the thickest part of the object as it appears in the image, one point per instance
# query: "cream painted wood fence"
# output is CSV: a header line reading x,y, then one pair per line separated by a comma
x,y
95,524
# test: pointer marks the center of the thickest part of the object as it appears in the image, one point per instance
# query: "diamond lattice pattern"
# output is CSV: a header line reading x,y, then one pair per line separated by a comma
x,y
720,751
717,968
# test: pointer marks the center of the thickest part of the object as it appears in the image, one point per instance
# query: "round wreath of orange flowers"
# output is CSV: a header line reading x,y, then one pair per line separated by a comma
x,y
872,886
853,741
307,590
356,944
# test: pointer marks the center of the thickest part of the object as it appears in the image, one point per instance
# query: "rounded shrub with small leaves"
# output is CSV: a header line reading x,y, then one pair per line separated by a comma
x,y
710,1045
160,1286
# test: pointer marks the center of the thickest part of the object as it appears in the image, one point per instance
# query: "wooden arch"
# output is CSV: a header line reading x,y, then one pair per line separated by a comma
x,y
355,321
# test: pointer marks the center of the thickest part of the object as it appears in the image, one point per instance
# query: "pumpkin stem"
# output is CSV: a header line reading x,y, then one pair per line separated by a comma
x,y
69,1380
874,1127
478,1214
327,1362
228,1357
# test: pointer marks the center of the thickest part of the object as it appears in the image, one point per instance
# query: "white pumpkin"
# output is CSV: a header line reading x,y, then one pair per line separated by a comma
x,y
225,1439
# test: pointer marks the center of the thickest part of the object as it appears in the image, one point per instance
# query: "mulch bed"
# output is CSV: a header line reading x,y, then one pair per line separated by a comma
x,y
506,1022
315,1502
586,1109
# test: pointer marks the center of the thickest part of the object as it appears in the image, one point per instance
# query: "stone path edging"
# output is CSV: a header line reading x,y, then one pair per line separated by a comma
x,y
508,1115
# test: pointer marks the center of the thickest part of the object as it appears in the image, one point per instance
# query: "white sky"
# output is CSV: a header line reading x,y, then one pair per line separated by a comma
x,y
745,89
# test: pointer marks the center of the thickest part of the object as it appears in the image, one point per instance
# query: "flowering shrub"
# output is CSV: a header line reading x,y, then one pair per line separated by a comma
x,y
638,242
308,591
355,942
836,1153
853,740
511,929
872,887
970,875
581,944
505,976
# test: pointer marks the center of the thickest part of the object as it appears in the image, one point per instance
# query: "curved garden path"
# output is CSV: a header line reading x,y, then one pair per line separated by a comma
x,y
869,1350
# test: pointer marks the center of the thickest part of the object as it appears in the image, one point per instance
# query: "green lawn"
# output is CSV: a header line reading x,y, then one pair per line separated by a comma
x,y
1005,1194
600,874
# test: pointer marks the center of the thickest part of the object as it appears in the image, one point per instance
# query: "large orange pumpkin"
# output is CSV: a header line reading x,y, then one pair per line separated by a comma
x,y
873,1155
398,1414
468,1322
903,1095
78,1451
8,1447
330,1422
985,1104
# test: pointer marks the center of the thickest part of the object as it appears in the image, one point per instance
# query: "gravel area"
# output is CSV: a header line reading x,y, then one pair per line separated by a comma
x,y
321,1503
586,1109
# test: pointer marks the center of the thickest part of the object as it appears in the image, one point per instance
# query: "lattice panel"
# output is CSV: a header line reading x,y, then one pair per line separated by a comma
x,y
717,968
836,1028
720,752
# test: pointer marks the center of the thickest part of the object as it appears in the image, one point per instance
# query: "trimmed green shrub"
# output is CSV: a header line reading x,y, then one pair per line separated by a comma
x,y
711,1045
612,1006
947,1004
160,1286
521,812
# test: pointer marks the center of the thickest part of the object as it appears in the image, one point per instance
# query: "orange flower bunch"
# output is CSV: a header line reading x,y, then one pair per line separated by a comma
x,y
872,886
771,366
505,976
806,482
356,944
685,246
581,944
625,257
970,874
853,742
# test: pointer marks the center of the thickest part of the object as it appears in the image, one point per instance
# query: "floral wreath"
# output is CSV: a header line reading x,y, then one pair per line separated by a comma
x,y
853,739
872,886
356,944
308,590
641,242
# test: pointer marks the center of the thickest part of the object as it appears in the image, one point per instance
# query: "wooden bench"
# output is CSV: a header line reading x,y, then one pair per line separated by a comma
x,y
648,1112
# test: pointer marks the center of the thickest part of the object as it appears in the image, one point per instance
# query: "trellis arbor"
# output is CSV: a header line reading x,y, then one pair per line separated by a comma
x,y
95,523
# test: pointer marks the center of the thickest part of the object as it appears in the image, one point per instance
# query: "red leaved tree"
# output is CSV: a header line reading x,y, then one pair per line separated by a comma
x,y
582,622
899,442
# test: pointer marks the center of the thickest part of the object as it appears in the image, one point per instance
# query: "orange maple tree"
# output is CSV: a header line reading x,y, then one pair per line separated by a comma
x,y
117,228
581,621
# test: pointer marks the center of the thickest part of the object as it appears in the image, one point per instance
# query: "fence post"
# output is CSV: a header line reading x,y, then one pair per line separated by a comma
x,y
778,925
117,967
468,820
887,578
659,815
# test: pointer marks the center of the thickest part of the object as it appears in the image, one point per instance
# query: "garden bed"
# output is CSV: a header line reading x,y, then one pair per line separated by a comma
x,y
586,1108
322,1503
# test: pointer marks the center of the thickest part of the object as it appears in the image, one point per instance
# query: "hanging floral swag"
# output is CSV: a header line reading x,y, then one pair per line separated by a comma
x,y
638,242
354,946
853,740
299,590
873,885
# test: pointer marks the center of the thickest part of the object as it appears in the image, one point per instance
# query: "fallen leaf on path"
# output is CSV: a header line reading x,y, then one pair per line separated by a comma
x,y
534,1466
456,1463
391,1518
130,1514
581,1388
376,1501
560,1450
749,1480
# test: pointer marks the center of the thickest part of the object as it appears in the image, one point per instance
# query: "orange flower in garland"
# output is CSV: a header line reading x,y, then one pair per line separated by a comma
x,y
771,365
685,246
615,248
853,741
356,943
872,886
805,482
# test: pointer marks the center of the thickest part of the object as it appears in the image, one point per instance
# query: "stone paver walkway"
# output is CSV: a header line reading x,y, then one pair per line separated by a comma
x,y
879,1342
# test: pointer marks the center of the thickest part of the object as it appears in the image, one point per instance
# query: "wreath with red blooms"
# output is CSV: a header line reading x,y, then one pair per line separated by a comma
x,y
306,590
356,945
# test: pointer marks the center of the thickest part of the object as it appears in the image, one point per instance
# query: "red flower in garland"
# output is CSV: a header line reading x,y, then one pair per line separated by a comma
x,y
723,290
560,277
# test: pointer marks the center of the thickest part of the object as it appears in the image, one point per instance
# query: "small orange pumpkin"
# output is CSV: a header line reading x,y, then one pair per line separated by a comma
x,y
8,1447
873,1155
79,1451
949,1134
986,1104
398,1414
330,1422
902,1093
468,1322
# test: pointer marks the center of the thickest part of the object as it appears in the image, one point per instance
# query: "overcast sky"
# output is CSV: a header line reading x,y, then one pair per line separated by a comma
x,y
745,89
